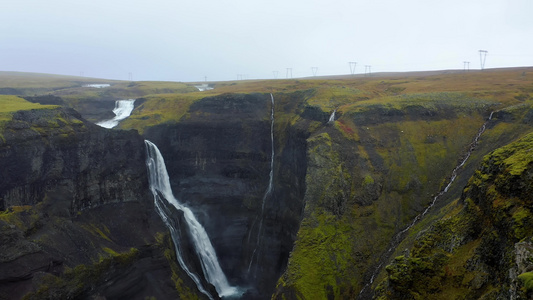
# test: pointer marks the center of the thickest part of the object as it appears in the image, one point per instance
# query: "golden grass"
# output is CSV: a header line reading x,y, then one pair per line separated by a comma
x,y
160,109
11,104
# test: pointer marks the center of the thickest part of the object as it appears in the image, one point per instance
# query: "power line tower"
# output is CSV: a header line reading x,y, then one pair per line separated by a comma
x,y
130,76
289,72
368,70
352,67
466,65
483,58
275,74
314,70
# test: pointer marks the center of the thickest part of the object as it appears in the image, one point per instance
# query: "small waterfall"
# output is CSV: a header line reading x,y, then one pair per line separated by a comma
x,y
332,116
398,238
203,87
270,182
163,197
123,109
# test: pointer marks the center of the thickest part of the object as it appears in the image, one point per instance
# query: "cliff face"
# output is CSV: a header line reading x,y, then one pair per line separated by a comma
x,y
78,219
482,247
369,174
218,158
49,148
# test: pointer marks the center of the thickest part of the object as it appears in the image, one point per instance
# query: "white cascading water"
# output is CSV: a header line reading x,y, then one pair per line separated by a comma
x,y
163,196
123,109
332,116
270,182
398,237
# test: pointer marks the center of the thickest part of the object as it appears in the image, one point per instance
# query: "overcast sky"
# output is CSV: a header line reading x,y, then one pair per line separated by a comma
x,y
185,40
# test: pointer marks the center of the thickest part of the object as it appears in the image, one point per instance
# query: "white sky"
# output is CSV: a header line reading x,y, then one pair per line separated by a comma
x,y
185,40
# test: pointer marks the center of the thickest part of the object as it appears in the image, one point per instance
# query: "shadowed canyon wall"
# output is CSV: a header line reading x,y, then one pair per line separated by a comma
x,y
218,158
79,219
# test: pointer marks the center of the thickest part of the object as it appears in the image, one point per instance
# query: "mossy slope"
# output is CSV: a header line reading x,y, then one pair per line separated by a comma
x,y
482,244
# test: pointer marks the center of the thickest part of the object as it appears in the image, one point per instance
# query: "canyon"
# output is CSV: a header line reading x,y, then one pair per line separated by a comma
x,y
301,186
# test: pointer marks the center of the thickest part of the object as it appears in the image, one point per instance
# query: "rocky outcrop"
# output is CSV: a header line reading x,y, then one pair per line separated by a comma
x,y
482,247
48,148
78,219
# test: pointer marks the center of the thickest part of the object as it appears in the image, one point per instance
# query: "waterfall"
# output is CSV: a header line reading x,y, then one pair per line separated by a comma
x,y
398,238
123,109
332,116
203,87
270,182
163,197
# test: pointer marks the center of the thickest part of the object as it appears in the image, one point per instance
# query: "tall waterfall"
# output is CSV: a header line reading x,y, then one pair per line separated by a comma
x,y
163,197
270,182
398,238
123,109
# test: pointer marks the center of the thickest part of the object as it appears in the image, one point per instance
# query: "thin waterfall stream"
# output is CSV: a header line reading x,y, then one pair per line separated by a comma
x,y
270,183
398,238
163,198
332,116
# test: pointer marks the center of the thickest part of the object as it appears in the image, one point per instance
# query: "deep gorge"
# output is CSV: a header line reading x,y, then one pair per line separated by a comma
x,y
78,220
222,165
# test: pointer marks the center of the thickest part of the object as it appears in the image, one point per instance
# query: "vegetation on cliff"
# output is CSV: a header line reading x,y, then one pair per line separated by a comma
x,y
482,246
344,188
12,104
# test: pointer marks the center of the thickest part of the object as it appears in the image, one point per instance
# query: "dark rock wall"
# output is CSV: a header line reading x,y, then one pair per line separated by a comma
x,y
218,159
43,149
78,219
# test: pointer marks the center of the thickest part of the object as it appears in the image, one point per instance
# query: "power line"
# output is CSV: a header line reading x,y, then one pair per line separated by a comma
x,y
368,70
466,65
289,72
483,58
314,70
352,67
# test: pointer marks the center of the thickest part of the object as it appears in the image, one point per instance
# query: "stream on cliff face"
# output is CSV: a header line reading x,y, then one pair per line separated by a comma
x,y
123,109
268,191
164,199
398,238
332,116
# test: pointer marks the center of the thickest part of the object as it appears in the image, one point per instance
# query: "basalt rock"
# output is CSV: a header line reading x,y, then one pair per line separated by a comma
x,y
218,159
46,148
78,219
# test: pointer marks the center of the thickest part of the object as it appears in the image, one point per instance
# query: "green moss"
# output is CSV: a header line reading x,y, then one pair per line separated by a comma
x,y
159,109
185,292
11,104
321,259
100,232
80,280
527,281
368,180
477,241
25,218
522,223
110,251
